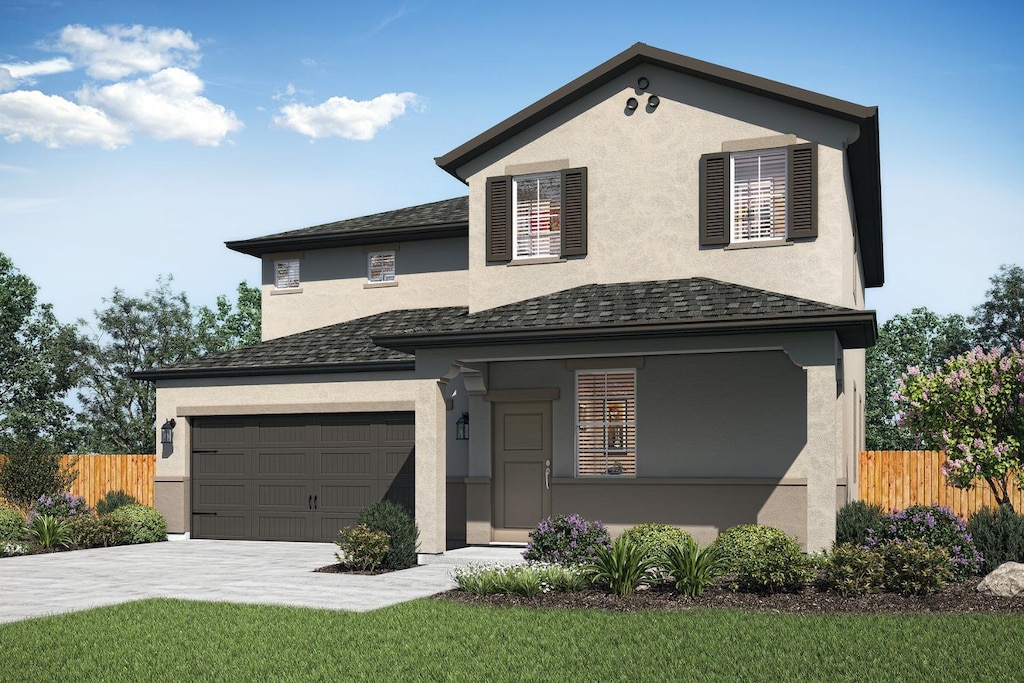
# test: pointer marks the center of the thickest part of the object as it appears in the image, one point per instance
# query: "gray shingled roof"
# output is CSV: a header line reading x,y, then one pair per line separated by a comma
x,y
444,212
336,348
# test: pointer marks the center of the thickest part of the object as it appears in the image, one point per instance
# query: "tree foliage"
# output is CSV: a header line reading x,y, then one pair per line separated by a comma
x,y
920,338
134,334
41,362
1000,319
972,408
30,470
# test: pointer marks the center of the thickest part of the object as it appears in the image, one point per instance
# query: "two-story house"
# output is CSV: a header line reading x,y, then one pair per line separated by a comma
x,y
649,308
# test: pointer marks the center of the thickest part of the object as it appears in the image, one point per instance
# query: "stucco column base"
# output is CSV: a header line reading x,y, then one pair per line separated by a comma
x,y
820,456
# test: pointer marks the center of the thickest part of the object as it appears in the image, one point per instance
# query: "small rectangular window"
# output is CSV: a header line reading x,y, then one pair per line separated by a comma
x,y
380,266
759,195
606,423
537,212
286,274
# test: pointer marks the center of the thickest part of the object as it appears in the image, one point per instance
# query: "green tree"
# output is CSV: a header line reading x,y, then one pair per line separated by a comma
x,y
31,470
972,408
133,334
921,339
1000,319
41,362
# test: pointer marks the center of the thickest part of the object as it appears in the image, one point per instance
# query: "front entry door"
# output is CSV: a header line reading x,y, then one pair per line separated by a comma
x,y
522,468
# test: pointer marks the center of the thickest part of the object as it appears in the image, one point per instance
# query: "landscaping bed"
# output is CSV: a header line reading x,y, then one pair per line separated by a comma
x,y
954,598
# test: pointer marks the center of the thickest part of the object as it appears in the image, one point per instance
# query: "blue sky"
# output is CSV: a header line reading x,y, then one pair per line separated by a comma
x,y
137,136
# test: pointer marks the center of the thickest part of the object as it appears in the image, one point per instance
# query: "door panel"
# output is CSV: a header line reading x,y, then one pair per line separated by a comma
x,y
522,458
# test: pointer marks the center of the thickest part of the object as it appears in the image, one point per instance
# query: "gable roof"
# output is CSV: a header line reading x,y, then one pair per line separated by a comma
x,y
661,308
863,154
446,218
343,347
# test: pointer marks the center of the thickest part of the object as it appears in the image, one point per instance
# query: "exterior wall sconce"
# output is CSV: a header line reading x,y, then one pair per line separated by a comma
x,y
462,428
167,432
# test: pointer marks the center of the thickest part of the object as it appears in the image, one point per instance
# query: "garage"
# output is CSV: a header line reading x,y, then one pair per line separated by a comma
x,y
297,477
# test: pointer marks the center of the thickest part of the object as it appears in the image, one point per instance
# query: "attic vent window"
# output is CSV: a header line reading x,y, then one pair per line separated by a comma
x,y
381,266
286,274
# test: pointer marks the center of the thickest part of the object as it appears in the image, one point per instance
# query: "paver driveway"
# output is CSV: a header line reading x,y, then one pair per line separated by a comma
x,y
230,571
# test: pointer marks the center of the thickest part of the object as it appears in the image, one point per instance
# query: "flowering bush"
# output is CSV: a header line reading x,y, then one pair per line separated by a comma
x,y
518,579
566,540
61,506
973,409
938,527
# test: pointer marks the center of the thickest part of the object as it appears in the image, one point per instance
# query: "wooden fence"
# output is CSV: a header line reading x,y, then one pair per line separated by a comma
x,y
98,474
898,479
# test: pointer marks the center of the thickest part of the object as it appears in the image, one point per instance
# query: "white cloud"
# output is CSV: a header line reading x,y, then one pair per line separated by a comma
x,y
308,62
289,92
56,122
118,51
346,118
7,81
165,106
28,70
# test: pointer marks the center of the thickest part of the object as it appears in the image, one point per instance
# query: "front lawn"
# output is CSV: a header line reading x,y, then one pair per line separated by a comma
x,y
434,640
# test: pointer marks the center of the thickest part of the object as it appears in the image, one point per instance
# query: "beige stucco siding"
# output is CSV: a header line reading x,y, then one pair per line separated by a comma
x,y
334,287
183,399
643,173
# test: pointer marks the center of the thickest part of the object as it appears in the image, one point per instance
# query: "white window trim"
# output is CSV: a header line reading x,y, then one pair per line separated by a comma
x,y
538,258
735,239
384,279
293,264
576,422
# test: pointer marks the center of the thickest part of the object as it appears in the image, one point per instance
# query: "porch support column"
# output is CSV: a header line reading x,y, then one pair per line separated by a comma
x,y
431,468
822,449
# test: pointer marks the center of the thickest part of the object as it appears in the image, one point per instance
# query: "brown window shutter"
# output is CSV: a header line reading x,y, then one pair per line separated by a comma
x,y
803,191
574,212
714,199
499,218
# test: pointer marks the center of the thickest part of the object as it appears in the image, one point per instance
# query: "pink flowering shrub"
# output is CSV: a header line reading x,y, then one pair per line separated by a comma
x,y
936,526
62,506
972,408
567,540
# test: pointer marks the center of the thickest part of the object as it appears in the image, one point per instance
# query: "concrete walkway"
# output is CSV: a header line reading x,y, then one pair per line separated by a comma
x,y
229,571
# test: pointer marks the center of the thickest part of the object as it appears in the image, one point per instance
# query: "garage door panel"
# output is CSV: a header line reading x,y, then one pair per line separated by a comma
x,y
284,430
396,461
328,524
348,463
282,526
215,495
348,496
219,433
402,493
283,463
221,464
348,430
228,526
398,430
283,495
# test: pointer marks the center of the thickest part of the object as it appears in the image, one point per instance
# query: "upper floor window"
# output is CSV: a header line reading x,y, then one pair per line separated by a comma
x,y
606,422
759,195
763,195
538,215
380,266
286,273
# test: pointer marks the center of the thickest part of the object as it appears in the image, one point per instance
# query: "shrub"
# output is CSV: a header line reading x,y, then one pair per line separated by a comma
x,y
779,566
853,570
999,536
60,505
854,519
566,540
623,566
12,525
362,548
114,500
99,532
30,471
145,525
391,518
8,548
518,579
939,527
741,545
692,567
656,538
914,568
50,532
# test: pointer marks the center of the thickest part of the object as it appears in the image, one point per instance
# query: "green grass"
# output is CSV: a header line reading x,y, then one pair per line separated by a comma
x,y
432,640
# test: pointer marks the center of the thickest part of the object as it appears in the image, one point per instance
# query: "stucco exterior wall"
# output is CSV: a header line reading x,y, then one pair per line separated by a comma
x,y
406,391
334,287
643,173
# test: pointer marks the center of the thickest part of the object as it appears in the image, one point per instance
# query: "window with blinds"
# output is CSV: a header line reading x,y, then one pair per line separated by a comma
x,y
381,266
286,273
759,195
537,212
606,422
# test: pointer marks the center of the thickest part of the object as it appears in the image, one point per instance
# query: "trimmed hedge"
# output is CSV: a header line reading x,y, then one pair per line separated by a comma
x,y
145,525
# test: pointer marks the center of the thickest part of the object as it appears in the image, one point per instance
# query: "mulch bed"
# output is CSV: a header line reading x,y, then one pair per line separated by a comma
x,y
956,598
345,569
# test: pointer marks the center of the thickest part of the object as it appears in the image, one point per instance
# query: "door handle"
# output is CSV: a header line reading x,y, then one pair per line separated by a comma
x,y
315,505
547,474
311,501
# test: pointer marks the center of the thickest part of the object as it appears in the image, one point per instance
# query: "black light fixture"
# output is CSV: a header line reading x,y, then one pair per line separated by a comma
x,y
167,431
632,104
653,101
462,428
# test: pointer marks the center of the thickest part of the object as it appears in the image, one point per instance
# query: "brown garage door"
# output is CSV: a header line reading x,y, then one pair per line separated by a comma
x,y
297,477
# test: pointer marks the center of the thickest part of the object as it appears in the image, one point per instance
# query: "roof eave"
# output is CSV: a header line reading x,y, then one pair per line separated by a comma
x,y
300,369
856,329
266,245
